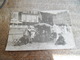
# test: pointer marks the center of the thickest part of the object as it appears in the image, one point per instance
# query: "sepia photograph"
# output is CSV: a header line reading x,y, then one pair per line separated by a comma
x,y
40,30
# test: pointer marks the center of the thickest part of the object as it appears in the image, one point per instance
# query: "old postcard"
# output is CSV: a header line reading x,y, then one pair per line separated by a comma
x,y
40,30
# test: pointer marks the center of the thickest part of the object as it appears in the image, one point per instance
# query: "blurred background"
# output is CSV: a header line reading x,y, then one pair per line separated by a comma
x,y
25,5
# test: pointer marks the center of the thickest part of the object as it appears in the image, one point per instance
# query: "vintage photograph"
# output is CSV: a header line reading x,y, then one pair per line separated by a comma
x,y
40,30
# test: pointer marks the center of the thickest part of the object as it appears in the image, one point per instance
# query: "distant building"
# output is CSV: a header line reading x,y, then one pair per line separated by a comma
x,y
32,17
59,18
62,18
47,18
23,18
29,17
14,17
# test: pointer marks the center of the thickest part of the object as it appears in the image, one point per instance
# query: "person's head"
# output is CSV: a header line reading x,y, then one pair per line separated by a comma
x,y
25,34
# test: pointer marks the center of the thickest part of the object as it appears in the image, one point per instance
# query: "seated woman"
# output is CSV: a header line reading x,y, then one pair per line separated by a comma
x,y
26,38
60,40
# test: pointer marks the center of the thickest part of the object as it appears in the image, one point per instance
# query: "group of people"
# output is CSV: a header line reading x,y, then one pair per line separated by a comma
x,y
57,36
